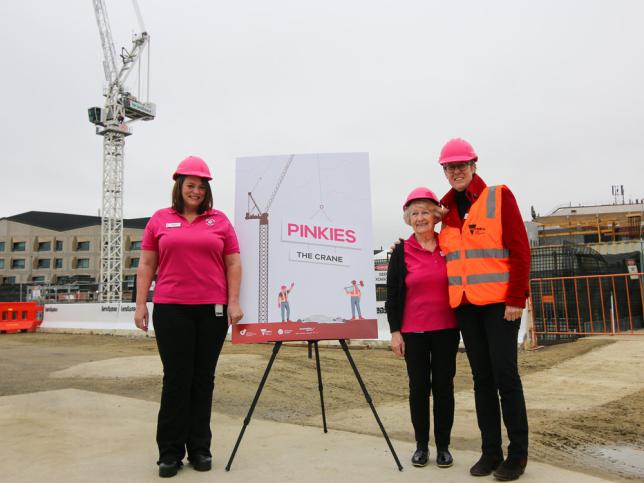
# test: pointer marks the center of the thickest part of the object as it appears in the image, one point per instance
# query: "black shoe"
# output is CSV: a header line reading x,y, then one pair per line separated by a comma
x,y
511,469
420,457
486,465
168,469
444,458
201,462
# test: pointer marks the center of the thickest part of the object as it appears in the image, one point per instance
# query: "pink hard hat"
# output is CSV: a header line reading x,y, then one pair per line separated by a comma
x,y
457,150
283,287
420,193
193,166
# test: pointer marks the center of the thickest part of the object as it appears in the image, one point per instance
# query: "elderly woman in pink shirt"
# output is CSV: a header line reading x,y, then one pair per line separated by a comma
x,y
423,326
193,250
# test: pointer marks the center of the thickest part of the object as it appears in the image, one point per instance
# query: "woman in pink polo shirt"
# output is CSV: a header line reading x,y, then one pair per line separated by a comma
x,y
423,327
193,250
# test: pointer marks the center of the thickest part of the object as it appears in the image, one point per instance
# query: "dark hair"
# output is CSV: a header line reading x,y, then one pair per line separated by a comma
x,y
177,198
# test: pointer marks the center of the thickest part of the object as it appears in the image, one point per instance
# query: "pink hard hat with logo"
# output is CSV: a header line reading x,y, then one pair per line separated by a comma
x,y
193,166
421,193
457,150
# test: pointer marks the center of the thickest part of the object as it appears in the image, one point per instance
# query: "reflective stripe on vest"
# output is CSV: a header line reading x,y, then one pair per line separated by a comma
x,y
454,280
452,256
488,277
485,253
491,202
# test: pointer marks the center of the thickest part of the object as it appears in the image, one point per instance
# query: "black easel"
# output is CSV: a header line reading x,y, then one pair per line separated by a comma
x,y
314,344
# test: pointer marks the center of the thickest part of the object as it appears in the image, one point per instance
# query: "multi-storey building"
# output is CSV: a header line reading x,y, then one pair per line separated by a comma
x,y
39,247
592,224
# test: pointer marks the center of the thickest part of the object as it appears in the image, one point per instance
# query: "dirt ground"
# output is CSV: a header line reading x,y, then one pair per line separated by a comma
x,y
573,436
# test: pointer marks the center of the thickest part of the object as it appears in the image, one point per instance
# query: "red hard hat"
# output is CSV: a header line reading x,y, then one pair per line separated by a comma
x,y
193,166
421,193
457,150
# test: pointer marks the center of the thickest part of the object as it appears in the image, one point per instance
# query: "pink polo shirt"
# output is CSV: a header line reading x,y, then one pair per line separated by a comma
x,y
191,256
426,299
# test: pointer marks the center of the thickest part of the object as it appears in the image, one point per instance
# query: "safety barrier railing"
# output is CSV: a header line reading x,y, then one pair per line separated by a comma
x,y
565,308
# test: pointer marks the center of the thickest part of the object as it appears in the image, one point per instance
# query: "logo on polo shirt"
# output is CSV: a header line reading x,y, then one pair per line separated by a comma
x,y
210,222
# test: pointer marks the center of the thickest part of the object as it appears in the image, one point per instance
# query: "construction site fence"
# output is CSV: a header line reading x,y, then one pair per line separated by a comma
x,y
566,308
58,293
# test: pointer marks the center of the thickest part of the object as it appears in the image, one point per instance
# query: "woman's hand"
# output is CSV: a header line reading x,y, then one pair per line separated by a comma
x,y
235,313
141,317
512,313
397,344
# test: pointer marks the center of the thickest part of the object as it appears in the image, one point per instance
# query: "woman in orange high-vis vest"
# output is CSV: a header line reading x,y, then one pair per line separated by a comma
x,y
486,248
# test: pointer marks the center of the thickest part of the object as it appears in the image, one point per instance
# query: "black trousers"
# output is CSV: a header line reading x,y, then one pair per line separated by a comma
x,y
491,346
431,365
189,338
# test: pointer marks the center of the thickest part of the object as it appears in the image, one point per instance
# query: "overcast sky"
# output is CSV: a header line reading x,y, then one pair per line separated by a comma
x,y
550,93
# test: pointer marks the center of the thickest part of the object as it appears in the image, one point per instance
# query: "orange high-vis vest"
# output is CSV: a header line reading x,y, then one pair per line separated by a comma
x,y
478,264
355,291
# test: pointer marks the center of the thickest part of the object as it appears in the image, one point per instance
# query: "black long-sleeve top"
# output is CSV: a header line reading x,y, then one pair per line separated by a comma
x,y
396,273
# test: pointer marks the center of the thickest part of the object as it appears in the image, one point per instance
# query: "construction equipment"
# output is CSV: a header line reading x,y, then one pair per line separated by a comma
x,y
112,122
254,212
20,317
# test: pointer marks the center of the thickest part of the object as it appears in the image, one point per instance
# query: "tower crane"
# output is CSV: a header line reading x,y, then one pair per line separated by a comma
x,y
254,212
112,122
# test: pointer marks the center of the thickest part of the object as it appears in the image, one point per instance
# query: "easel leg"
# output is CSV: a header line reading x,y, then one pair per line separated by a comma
x,y
320,387
343,343
276,349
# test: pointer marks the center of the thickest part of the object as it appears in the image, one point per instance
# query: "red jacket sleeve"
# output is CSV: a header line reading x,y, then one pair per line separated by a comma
x,y
515,239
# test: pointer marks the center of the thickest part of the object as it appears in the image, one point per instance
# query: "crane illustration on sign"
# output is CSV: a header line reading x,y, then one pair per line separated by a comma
x,y
254,212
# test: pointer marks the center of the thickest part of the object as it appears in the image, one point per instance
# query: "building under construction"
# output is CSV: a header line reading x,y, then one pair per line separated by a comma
x,y
586,271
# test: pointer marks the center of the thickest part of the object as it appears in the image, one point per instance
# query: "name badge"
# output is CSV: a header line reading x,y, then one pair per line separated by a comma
x,y
173,225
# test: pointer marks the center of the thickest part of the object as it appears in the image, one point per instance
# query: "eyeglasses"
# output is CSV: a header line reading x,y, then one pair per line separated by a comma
x,y
451,167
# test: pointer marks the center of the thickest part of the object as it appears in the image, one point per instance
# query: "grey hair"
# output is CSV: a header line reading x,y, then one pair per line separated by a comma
x,y
433,207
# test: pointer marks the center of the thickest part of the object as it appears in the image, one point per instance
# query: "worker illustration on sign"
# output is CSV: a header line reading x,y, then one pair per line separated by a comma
x,y
282,302
354,292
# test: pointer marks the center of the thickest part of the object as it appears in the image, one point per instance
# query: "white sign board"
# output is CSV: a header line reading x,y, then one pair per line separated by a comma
x,y
304,228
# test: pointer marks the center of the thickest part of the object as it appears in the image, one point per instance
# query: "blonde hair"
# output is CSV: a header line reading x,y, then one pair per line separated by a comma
x,y
433,208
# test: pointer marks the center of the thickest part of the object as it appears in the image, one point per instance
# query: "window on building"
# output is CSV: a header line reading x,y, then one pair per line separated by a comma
x,y
134,262
18,246
4,316
58,263
82,246
14,315
82,263
1,263
44,263
23,315
39,279
9,280
44,246
1,246
135,245
59,246
129,281
18,263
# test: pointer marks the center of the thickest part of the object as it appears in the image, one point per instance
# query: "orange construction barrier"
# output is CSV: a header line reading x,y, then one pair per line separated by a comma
x,y
564,308
20,317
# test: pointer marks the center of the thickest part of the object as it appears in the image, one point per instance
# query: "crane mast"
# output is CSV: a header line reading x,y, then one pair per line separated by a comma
x,y
112,122
254,212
